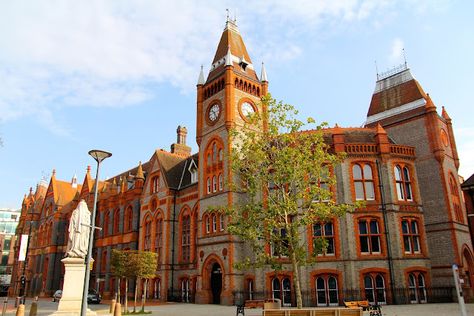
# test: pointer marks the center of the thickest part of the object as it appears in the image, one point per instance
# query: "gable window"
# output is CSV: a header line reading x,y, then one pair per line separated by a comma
x,y
194,176
363,182
214,223
369,236
326,231
155,184
403,183
411,236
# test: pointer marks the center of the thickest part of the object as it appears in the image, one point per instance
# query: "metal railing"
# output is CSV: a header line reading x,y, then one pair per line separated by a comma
x,y
337,298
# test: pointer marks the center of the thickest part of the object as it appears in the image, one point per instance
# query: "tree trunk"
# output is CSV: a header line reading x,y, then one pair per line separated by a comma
x,y
126,295
296,276
118,290
145,287
136,295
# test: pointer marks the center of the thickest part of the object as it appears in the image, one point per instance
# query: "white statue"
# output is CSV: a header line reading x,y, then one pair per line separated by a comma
x,y
79,228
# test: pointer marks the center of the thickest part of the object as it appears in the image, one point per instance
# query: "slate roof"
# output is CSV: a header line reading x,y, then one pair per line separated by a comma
x,y
468,184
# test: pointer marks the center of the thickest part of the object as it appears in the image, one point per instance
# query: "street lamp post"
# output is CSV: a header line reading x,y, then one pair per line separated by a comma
x,y
99,156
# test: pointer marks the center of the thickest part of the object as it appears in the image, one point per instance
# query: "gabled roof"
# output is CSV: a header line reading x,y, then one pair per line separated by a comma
x,y
395,94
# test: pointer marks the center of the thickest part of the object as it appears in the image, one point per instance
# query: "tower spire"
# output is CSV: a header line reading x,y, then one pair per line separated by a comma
x,y
263,76
201,76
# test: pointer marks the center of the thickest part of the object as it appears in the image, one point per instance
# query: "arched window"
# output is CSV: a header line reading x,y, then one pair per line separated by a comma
x,y
147,236
327,291
185,290
453,187
374,285
159,238
106,224
186,238
221,222
117,221
103,261
208,223
213,170
250,289
157,289
417,287
128,220
214,223
221,182
369,236
326,231
403,181
214,184
363,182
281,289
411,236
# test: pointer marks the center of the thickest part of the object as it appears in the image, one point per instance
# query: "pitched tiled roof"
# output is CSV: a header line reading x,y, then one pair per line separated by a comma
x,y
394,91
64,192
469,183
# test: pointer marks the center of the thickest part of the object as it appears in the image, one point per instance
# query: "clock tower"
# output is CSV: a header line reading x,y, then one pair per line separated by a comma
x,y
231,92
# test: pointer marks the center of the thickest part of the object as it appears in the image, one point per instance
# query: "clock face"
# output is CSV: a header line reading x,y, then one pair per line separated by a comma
x,y
247,109
214,112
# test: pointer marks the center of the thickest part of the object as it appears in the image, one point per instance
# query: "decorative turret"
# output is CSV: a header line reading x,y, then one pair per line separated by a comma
x,y
139,177
381,138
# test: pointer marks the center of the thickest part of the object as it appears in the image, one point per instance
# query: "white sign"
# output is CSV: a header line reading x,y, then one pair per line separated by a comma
x,y
23,247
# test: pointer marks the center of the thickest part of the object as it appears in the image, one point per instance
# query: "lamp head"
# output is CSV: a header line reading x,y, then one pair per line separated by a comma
x,y
99,155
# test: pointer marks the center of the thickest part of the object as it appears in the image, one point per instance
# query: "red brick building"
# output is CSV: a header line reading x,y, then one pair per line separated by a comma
x,y
397,249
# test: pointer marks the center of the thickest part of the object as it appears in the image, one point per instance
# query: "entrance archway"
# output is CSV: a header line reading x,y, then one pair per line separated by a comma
x,y
216,283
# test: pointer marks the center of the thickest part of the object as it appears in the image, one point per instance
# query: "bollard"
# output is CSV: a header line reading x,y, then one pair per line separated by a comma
x,y
5,304
20,310
112,306
34,308
118,310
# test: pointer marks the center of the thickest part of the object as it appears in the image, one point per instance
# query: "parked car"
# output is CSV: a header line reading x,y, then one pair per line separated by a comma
x,y
57,295
93,297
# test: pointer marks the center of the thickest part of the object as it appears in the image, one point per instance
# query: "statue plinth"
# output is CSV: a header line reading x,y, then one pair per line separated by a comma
x,y
71,300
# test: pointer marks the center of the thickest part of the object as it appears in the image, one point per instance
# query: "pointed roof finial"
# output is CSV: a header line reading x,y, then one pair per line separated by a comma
x,y
228,57
445,114
227,20
263,75
201,76
140,172
404,56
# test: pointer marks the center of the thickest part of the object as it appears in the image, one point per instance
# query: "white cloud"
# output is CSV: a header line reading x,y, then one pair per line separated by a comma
x,y
109,53
396,53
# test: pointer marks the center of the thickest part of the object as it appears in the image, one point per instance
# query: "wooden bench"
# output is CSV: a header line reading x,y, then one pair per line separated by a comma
x,y
254,303
336,311
356,304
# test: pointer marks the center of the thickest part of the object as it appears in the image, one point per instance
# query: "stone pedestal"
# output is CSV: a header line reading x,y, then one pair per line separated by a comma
x,y
71,300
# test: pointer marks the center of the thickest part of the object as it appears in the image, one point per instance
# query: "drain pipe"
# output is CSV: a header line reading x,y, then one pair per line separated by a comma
x,y
387,234
173,228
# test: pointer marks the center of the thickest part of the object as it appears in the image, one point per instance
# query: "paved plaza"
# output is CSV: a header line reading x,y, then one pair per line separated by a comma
x,y
46,307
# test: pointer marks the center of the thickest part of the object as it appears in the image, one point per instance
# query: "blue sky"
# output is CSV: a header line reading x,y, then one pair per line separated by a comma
x,y
121,75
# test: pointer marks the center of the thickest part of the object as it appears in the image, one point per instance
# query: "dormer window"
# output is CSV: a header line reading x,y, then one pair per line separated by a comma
x,y
243,63
193,171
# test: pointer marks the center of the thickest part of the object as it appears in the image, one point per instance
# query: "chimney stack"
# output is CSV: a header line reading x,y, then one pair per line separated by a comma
x,y
180,147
